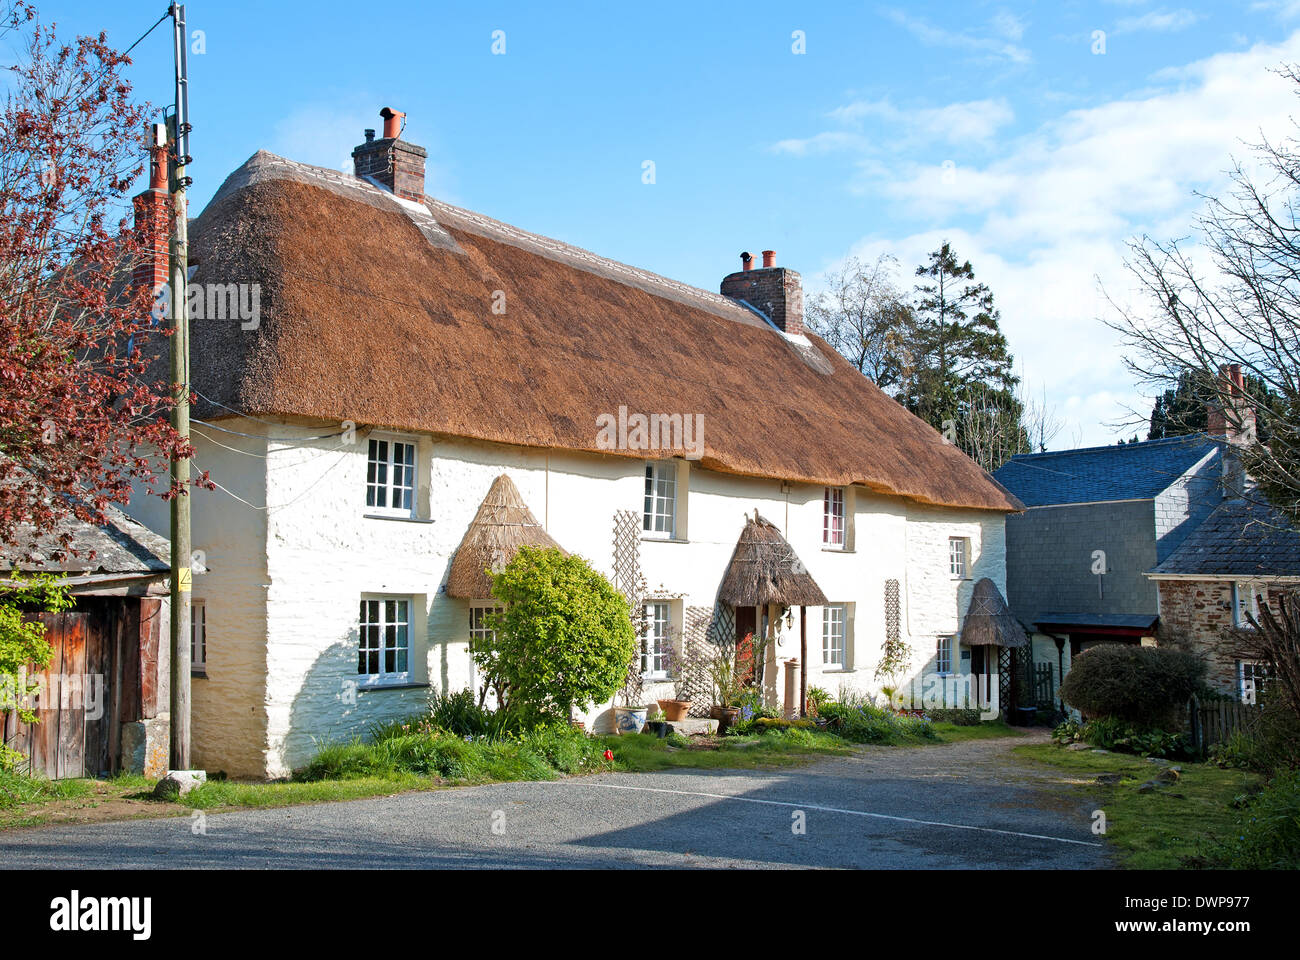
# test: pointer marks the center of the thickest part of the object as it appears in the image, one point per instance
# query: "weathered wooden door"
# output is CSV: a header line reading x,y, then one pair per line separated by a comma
x,y
746,622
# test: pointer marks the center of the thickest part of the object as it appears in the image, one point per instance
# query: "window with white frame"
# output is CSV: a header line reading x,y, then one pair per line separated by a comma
x,y
943,656
833,517
1253,676
656,639
390,477
481,633
385,648
660,517
198,637
958,556
834,624
1245,601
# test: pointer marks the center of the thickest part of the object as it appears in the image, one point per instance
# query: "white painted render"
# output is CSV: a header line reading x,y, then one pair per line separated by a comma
x,y
286,574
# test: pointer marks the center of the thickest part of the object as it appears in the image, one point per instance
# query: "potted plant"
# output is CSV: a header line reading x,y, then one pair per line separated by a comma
x,y
676,708
631,717
726,688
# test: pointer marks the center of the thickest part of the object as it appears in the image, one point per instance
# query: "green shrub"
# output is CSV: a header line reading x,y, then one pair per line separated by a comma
x,y
1268,831
768,724
958,718
1111,733
1271,743
1141,685
565,638
862,721
566,748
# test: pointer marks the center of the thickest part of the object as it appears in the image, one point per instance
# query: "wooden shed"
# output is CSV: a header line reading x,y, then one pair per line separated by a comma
x,y
102,702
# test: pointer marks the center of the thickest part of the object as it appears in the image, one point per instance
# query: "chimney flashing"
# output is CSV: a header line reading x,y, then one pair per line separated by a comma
x,y
392,163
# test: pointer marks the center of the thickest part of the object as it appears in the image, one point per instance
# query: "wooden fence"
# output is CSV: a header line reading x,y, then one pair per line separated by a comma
x,y
1218,720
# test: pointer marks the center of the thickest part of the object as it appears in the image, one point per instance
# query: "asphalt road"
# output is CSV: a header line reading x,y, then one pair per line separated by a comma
x,y
965,805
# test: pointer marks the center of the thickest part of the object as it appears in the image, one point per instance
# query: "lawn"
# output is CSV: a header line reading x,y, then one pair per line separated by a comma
x,y
1168,829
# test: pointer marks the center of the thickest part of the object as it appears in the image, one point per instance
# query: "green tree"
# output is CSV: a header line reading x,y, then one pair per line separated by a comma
x,y
960,377
565,637
1183,410
22,641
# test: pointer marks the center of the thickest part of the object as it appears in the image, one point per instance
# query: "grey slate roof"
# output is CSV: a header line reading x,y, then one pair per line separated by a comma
x,y
1131,471
1244,537
122,547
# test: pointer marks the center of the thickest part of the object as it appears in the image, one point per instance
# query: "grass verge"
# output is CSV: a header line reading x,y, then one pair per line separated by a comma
x,y
1171,828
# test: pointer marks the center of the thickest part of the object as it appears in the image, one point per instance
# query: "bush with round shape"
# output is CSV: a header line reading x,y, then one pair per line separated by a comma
x,y
1142,685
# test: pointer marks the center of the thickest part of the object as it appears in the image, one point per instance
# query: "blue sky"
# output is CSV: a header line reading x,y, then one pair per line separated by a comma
x,y
999,126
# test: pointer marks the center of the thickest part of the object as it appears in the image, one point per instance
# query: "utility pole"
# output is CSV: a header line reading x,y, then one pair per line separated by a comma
x,y
178,130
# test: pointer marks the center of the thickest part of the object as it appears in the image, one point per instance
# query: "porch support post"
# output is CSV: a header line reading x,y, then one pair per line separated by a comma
x,y
803,661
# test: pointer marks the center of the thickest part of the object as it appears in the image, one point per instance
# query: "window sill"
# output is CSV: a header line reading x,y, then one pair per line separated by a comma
x,y
664,540
838,670
199,674
837,550
386,516
367,687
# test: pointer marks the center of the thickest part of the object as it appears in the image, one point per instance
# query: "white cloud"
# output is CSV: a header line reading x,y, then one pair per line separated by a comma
x,y
974,121
998,45
1050,214
1158,20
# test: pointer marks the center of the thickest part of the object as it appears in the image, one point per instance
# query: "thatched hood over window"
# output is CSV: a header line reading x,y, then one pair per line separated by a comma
x,y
989,622
502,525
765,569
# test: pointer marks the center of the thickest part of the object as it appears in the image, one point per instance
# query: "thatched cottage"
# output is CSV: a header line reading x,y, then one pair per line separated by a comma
x,y
408,354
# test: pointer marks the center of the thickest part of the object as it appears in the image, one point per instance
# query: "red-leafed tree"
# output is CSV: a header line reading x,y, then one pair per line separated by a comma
x,y
79,419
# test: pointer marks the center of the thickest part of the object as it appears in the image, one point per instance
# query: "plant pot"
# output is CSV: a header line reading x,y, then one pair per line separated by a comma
x,y
629,719
726,717
674,710
578,725
660,728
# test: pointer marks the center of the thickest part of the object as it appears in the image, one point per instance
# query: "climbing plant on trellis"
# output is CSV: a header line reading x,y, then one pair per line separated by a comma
x,y
630,582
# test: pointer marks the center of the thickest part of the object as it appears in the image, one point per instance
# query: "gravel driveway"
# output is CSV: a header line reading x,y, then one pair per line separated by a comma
x,y
963,805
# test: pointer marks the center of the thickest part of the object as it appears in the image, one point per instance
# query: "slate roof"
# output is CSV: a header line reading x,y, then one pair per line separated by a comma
x,y
1131,471
1244,537
122,547
1135,621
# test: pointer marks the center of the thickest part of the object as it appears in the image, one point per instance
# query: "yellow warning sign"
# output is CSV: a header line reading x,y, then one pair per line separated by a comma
x,y
184,579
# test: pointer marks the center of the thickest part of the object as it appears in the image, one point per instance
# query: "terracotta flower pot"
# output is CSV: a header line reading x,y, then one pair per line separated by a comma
x,y
726,717
674,710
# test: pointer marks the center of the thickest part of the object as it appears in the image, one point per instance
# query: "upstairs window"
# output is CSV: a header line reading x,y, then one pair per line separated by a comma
x,y
656,638
385,649
198,638
390,477
660,517
1254,677
833,518
958,555
833,626
1245,601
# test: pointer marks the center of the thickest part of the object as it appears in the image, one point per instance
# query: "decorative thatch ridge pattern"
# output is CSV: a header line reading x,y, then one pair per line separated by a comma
x,y
502,525
764,569
382,313
989,622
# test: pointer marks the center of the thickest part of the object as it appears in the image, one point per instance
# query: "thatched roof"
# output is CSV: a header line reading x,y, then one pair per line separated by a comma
x,y
764,569
989,622
381,312
502,525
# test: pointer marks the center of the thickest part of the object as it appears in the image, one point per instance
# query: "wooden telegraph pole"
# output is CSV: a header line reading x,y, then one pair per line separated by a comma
x,y
178,136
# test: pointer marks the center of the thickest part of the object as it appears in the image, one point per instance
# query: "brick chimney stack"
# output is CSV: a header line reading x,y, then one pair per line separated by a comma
x,y
152,209
1236,423
774,291
396,164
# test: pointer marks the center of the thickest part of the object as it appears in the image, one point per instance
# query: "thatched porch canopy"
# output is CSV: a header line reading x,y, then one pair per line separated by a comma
x,y
989,622
502,525
764,569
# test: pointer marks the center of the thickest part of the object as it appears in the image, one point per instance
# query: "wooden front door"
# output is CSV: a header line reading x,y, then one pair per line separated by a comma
x,y
746,622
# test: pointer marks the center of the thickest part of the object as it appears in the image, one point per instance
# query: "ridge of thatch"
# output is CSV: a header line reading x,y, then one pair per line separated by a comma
x,y
502,525
989,621
338,260
765,569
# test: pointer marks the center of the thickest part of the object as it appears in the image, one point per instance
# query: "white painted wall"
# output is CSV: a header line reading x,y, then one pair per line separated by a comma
x,y
286,582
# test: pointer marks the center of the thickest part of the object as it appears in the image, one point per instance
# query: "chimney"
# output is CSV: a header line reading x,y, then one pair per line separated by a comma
x,y
774,291
391,161
1231,416
152,208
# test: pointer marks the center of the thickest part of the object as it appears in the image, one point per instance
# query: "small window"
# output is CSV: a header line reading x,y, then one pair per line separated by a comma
x,y
1245,601
833,623
943,656
480,625
833,517
390,477
958,552
660,517
198,638
656,639
385,648
1254,677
